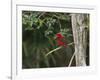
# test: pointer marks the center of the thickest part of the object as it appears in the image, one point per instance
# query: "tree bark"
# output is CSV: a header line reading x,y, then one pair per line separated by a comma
x,y
80,37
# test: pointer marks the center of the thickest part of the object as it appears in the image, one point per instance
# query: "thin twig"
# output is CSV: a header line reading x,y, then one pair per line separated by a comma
x,y
53,50
41,14
71,60
56,49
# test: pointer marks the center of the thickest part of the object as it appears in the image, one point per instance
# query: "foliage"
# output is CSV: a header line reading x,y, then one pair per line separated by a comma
x,y
39,31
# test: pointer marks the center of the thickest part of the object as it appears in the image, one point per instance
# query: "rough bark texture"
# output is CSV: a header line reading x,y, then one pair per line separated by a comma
x,y
80,38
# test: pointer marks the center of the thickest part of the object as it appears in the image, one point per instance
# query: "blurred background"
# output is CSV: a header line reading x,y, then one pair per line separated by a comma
x,y
39,30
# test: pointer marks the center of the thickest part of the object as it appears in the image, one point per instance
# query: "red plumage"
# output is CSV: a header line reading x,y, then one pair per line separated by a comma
x,y
60,36
61,40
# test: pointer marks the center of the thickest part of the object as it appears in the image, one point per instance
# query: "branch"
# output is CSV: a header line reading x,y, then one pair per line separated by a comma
x,y
41,14
53,51
56,49
71,60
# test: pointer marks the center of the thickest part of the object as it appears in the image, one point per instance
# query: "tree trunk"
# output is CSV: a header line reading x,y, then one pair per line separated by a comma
x,y
80,37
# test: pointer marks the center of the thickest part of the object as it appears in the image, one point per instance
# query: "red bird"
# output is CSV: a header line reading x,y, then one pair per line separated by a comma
x,y
61,40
